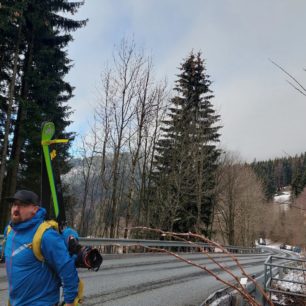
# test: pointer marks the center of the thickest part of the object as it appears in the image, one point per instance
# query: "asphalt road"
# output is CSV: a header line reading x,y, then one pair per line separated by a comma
x,y
154,280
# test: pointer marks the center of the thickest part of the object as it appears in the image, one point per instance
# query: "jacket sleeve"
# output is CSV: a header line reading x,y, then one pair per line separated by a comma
x,y
67,233
57,257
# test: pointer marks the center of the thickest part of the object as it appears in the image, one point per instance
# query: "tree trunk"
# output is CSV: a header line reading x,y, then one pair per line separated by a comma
x,y
7,127
21,117
114,192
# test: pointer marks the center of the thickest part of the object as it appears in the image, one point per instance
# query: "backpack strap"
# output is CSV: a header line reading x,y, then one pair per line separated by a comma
x,y
36,243
79,299
8,229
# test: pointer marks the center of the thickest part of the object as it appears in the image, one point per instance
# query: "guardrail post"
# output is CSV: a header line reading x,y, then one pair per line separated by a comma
x,y
271,271
267,278
271,275
265,285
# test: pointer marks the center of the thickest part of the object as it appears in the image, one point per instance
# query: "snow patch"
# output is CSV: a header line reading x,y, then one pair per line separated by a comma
x,y
280,300
283,198
224,300
297,276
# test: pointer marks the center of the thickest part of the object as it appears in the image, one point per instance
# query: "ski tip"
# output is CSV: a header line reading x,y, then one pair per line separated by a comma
x,y
48,130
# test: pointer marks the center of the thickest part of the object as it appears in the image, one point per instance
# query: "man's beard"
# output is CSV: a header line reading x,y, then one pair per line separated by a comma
x,y
16,218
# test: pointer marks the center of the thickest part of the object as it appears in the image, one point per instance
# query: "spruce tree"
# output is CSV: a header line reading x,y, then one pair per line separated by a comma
x,y
187,154
41,93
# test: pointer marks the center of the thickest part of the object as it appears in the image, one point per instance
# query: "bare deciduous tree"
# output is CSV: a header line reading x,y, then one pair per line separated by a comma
x,y
286,223
124,82
293,81
122,141
240,203
88,175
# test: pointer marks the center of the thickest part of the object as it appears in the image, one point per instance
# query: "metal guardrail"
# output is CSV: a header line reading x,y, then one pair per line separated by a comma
x,y
275,270
162,243
165,244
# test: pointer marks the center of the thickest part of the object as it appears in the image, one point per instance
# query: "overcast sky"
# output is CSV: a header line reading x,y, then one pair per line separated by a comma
x,y
262,116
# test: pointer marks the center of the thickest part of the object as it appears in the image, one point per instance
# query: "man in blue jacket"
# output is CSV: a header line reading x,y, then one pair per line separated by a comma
x,y
33,282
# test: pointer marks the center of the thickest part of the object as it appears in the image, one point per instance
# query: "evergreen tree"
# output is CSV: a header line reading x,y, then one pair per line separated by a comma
x,y
12,22
298,175
187,154
40,93
281,172
266,172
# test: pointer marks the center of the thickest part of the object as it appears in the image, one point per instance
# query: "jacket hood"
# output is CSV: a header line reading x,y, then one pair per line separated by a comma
x,y
36,219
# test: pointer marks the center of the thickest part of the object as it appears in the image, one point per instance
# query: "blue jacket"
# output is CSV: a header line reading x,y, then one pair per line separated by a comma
x,y
68,232
36,283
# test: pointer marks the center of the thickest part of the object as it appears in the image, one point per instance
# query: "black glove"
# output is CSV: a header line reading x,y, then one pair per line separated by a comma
x,y
87,257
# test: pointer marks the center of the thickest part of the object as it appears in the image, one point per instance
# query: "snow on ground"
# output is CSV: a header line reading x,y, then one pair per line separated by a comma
x,y
224,300
283,198
280,300
285,285
269,243
298,276
273,245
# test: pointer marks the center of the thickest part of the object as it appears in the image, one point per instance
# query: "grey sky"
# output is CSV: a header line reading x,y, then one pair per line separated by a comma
x,y
263,117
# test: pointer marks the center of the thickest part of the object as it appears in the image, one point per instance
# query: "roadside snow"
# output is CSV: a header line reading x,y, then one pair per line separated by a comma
x,y
280,300
274,245
224,300
298,276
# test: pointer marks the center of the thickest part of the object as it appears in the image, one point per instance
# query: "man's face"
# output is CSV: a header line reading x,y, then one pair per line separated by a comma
x,y
22,211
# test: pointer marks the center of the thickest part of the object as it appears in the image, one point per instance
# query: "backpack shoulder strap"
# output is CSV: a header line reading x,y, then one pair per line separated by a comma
x,y
8,229
36,243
